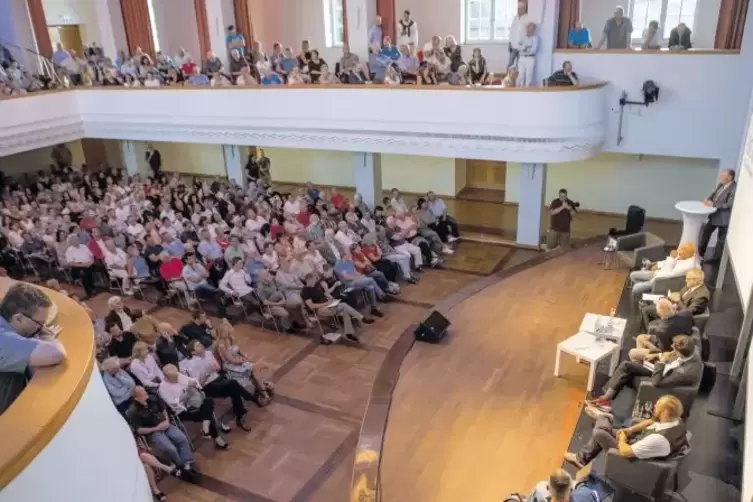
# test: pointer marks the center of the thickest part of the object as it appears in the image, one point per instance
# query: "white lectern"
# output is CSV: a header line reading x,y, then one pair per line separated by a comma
x,y
694,215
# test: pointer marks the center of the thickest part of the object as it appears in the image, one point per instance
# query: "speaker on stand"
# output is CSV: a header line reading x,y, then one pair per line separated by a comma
x,y
433,329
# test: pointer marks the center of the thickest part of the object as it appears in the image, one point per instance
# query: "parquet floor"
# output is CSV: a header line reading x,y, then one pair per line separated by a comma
x,y
455,406
482,416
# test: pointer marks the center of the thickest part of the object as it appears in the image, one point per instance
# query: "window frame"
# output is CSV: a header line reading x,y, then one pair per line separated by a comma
x,y
636,39
465,23
333,14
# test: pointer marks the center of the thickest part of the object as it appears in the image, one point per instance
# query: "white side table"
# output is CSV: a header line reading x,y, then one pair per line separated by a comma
x,y
694,215
584,346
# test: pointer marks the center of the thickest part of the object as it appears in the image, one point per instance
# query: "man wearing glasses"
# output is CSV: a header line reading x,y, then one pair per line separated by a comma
x,y
25,344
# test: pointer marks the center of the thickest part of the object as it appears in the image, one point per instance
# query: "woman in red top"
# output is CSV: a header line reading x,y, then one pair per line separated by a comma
x,y
365,267
171,268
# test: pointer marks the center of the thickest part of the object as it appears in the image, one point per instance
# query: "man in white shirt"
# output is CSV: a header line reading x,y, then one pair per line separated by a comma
x,y
517,30
662,436
528,46
651,36
116,261
196,277
237,283
438,209
407,32
81,261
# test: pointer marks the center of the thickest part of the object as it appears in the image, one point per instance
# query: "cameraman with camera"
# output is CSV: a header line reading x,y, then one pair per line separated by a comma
x,y
561,210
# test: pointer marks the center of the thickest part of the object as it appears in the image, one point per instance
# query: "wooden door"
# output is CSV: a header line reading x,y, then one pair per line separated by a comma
x,y
70,37
486,174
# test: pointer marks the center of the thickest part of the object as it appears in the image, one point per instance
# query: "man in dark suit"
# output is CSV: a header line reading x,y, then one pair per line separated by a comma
x,y
693,298
661,331
679,367
722,199
679,38
154,158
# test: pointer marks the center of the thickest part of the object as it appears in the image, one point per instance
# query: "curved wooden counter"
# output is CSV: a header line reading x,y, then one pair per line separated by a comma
x,y
51,395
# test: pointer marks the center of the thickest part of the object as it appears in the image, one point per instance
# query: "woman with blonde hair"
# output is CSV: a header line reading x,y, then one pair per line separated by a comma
x,y
238,366
144,367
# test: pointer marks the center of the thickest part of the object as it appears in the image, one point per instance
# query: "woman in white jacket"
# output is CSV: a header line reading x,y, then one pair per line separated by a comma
x,y
677,264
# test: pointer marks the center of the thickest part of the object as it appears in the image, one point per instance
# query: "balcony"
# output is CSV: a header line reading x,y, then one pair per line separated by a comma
x,y
517,125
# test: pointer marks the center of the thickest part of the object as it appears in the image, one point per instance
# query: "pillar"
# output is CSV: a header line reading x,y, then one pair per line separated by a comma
x,y
531,205
234,164
546,15
220,14
367,174
17,33
360,18
112,36
130,157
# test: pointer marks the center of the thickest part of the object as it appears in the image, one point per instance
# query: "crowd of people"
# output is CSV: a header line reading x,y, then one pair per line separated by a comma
x,y
438,61
310,261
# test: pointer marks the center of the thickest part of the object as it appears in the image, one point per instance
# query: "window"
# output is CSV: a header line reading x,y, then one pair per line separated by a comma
x,y
333,22
669,13
488,20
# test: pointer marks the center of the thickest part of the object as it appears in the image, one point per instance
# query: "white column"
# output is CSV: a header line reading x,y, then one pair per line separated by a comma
x,y
545,13
112,36
531,205
361,15
16,32
234,164
130,157
220,14
367,173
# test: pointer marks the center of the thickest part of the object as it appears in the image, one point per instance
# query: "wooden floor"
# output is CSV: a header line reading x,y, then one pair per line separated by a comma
x,y
485,214
482,416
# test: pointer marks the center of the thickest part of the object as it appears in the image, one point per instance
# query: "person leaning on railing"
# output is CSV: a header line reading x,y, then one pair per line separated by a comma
x,y
25,343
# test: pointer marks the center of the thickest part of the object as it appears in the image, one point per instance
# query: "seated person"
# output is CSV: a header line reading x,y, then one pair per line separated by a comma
x,y
118,383
80,259
171,346
200,328
692,298
184,396
367,269
121,343
204,367
560,488
272,297
682,366
196,280
238,365
119,314
237,283
317,297
346,272
116,261
676,264
564,77
171,270
438,209
148,417
661,436
144,367
662,331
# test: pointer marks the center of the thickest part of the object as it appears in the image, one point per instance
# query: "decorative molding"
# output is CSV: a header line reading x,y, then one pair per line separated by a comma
x,y
63,132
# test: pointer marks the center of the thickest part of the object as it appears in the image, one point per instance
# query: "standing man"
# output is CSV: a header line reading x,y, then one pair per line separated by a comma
x,y
517,30
617,31
235,41
528,46
376,34
154,159
722,199
407,33
561,216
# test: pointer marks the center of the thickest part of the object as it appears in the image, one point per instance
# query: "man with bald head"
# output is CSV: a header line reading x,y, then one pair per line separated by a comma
x,y
662,331
722,199
617,31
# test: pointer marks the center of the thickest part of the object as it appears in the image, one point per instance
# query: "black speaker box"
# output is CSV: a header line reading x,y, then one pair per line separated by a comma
x,y
433,329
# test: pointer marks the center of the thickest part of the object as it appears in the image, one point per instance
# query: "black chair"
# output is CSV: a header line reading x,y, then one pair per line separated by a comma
x,y
636,218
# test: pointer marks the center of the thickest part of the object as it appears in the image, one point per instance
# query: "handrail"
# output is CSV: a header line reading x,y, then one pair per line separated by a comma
x,y
42,409
651,52
575,88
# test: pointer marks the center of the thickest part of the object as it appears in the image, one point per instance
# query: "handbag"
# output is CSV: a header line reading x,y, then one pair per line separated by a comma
x,y
194,398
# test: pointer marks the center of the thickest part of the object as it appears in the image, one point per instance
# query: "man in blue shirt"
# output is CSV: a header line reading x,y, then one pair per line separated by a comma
x,y
346,271
378,64
376,35
172,245
235,40
196,276
389,51
198,78
579,37
271,78
25,343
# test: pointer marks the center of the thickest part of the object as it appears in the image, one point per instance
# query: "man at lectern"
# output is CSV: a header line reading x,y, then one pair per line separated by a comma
x,y
722,199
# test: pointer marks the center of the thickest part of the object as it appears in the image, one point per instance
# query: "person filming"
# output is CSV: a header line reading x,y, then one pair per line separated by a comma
x,y
561,216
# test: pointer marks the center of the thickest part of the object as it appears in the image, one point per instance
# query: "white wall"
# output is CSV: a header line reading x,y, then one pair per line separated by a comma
x,y
176,28
39,159
220,14
106,466
612,182
190,158
594,14
16,31
74,12
409,173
